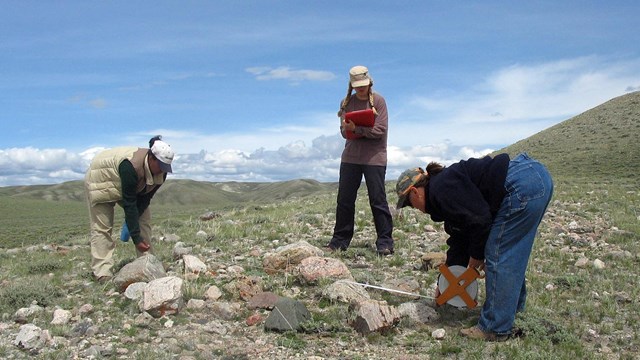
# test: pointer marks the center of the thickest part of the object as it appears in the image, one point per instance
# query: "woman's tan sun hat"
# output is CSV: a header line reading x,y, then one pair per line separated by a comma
x,y
359,76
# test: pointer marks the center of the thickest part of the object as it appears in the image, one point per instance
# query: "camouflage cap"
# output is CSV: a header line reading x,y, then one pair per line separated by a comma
x,y
407,179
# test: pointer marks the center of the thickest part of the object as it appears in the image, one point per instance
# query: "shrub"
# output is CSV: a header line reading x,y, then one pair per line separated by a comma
x,y
16,296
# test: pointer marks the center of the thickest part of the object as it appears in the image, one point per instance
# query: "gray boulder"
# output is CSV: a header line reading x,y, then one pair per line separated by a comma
x,y
287,315
142,269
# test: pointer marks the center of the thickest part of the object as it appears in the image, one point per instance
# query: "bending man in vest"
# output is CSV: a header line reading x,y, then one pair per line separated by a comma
x,y
129,177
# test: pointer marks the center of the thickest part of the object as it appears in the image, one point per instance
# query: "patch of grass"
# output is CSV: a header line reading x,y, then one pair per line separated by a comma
x,y
397,260
47,265
545,330
291,340
448,349
22,223
195,289
568,282
325,324
31,289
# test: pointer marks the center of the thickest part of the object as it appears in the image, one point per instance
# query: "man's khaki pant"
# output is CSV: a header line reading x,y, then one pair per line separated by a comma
x,y
102,242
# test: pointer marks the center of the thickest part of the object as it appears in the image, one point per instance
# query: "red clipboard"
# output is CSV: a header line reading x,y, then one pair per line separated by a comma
x,y
360,118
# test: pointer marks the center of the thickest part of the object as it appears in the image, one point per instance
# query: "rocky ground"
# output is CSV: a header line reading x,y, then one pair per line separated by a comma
x,y
222,306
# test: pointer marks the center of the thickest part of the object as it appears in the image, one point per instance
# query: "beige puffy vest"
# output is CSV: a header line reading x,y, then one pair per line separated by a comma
x,y
103,179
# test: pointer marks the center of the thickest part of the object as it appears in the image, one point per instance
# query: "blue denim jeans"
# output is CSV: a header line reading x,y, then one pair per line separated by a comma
x,y
529,188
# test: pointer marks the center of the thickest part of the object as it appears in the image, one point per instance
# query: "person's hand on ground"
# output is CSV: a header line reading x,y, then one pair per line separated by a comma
x,y
143,246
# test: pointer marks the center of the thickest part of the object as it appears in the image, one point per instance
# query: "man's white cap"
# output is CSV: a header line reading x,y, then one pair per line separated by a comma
x,y
163,152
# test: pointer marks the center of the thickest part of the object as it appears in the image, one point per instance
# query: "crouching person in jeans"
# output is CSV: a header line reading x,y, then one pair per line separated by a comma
x,y
491,209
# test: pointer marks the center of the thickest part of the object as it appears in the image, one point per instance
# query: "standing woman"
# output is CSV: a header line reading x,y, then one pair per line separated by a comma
x,y
491,208
365,154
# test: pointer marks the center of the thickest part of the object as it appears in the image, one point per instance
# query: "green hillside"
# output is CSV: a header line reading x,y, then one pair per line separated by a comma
x,y
602,143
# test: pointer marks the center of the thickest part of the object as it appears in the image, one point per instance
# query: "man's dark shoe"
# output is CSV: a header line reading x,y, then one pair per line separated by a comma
x,y
331,248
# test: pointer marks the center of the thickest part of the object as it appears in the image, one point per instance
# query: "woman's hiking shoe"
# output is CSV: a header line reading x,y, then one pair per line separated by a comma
x,y
474,332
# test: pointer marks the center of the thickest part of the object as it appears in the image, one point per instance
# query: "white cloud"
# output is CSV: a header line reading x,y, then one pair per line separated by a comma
x,y
296,160
28,166
82,99
286,73
515,102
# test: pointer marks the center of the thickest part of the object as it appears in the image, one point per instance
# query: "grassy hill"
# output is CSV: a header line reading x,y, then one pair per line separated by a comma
x,y
602,143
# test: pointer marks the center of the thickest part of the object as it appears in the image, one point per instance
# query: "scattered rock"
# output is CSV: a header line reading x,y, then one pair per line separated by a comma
x,y
432,260
289,256
244,287
61,317
143,269
263,300
108,325
23,314
598,264
85,309
162,297
135,290
405,284
32,338
193,265
373,316
314,268
345,292
180,250
582,262
439,334
82,327
196,304
254,319
225,310
209,215
418,312
212,293
170,238
216,327
287,315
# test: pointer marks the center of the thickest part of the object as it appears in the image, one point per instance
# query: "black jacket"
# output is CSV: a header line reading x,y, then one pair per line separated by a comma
x,y
467,196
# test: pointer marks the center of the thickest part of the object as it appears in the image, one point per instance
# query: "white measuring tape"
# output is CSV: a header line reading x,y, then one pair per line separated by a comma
x,y
387,289
443,284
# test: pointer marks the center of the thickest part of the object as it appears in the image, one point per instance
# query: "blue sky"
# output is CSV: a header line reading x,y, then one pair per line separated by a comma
x,y
249,90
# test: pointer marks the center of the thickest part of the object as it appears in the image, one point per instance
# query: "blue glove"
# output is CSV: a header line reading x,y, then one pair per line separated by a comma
x,y
124,234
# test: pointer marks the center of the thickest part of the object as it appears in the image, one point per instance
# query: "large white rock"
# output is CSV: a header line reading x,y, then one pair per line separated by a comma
x,y
162,297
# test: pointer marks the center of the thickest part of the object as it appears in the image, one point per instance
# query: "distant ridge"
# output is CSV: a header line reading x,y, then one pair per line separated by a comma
x,y
222,194
186,192
601,143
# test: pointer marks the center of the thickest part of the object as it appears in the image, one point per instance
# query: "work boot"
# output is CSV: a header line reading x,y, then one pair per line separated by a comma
x,y
474,332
